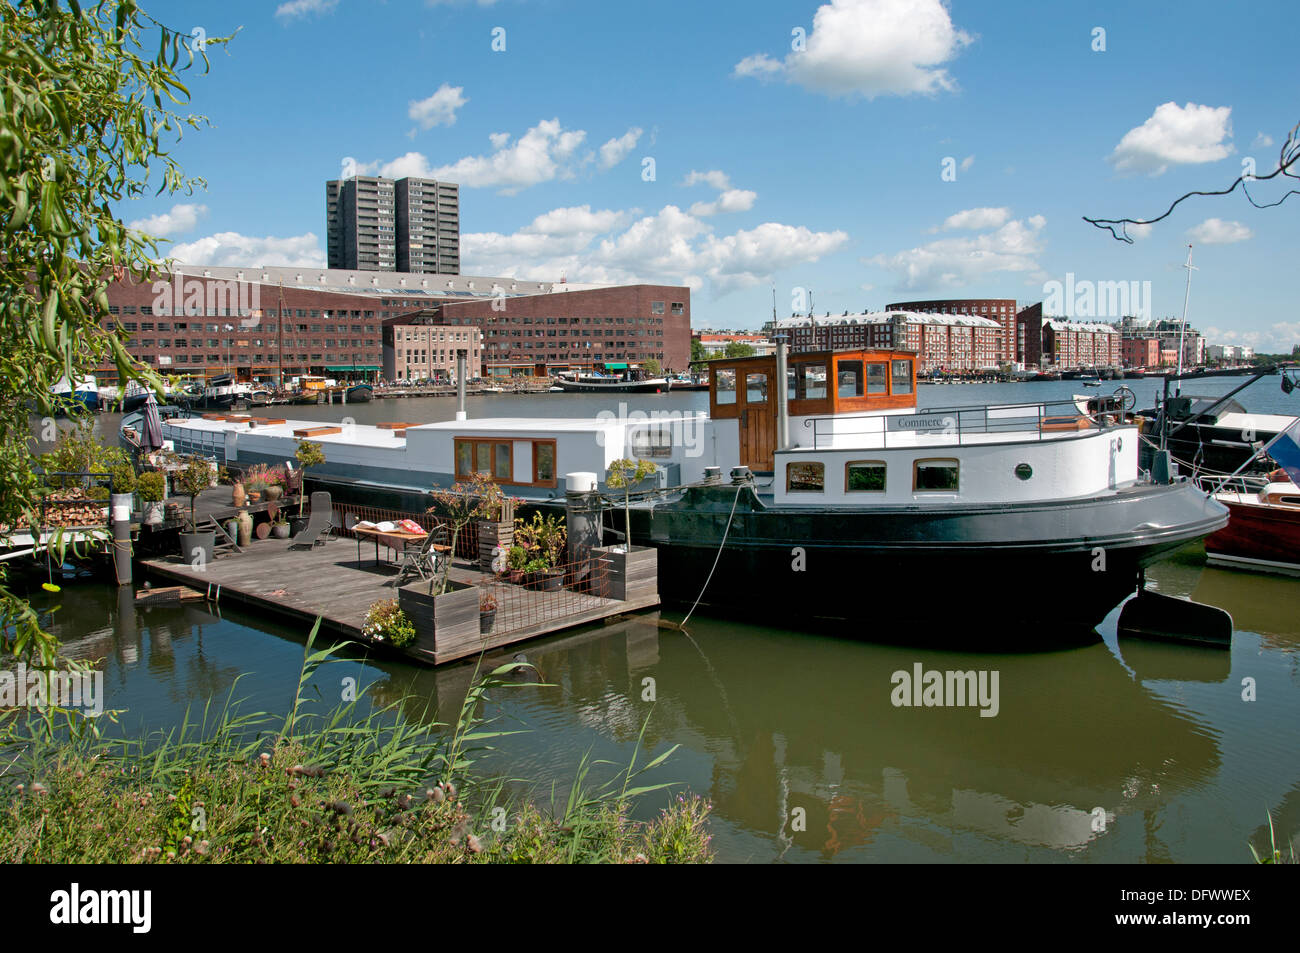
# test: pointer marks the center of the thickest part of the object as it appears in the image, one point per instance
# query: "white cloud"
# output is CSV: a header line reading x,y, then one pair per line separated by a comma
x,y
1215,231
440,108
714,177
670,246
1261,141
870,48
301,8
1139,232
233,249
732,200
616,150
960,262
182,218
976,219
1175,135
1280,338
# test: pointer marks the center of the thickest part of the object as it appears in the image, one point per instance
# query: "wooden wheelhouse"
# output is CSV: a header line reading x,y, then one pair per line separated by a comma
x,y
818,383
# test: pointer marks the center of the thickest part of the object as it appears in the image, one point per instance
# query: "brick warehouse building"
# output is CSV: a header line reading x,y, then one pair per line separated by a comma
x,y
259,322
946,342
1001,310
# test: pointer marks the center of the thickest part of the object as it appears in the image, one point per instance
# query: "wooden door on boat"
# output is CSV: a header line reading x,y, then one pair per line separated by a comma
x,y
757,399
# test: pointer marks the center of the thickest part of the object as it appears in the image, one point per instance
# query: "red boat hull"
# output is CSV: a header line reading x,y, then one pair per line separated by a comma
x,y
1258,536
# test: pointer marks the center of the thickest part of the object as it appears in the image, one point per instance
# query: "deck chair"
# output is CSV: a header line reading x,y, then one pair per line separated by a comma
x,y
422,560
319,524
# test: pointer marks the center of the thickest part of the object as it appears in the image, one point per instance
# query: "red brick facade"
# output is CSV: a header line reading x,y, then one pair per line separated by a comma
x,y
1001,310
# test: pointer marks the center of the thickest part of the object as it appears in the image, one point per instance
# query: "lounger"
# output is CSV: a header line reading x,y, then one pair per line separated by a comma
x,y
319,524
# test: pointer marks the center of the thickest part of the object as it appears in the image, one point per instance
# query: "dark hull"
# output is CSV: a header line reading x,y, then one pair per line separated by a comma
x,y
618,387
1063,565
359,394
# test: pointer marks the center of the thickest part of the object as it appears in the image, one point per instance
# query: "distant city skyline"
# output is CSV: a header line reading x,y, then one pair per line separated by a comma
x,y
866,150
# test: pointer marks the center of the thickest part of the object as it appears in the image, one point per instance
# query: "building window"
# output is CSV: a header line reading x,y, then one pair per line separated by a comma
x,y
935,475
678,307
805,477
864,476
656,307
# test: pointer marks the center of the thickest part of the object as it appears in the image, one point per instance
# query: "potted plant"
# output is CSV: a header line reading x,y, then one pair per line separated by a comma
x,y
387,623
624,475
543,540
496,519
123,493
516,560
193,480
255,482
274,488
152,487
459,506
487,611
280,527
631,571
308,454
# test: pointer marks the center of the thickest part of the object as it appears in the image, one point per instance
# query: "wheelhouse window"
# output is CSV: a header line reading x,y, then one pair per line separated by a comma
x,y
726,386
902,377
850,379
877,382
805,477
864,476
936,475
756,388
813,381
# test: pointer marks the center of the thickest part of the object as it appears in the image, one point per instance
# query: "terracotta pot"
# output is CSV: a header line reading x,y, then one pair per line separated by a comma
x,y
238,497
273,492
516,576
255,496
245,528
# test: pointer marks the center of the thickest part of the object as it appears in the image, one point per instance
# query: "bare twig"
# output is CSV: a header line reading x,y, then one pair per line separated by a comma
x,y
1287,158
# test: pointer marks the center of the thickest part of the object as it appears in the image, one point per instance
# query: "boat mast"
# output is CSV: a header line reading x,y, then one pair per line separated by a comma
x,y
1182,328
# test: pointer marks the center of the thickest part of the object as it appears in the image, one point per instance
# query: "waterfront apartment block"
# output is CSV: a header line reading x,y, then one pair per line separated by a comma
x,y
415,349
1140,352
943,342
410,225
268,324
716,344
1071,344
1000,310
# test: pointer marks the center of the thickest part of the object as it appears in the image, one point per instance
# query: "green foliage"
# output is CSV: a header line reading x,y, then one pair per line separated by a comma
x,y
623,475
193,480
699,353
517,558
739,349
123,475
331,786
544,541
386,622
1274,855
152,486
308,454
85,121
652,367
78,450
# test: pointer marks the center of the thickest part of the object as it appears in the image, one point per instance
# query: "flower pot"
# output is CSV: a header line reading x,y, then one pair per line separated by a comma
x,y
238,496
196,548
153,513
254,496
516,576
272,493
552,580
486,620
280,530
245,521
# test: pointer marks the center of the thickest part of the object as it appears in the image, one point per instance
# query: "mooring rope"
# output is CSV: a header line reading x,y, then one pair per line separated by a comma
x,y
717,557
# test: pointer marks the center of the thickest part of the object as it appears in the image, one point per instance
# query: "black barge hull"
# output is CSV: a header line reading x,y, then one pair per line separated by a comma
x,y
1063,565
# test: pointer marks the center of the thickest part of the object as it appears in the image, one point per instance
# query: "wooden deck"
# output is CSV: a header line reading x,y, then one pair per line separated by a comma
x,y
329,581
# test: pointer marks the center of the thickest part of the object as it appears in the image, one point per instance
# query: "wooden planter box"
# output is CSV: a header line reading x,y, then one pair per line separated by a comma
x,y
632,575
491,535
442,623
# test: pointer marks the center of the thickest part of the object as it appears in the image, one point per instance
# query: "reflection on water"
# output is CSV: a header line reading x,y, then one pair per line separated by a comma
x,y
1111,752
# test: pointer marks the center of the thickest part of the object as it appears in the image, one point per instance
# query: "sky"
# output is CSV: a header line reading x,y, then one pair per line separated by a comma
x,y
842,155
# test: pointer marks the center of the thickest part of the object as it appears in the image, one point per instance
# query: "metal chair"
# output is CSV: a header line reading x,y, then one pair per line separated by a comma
x,y
423,561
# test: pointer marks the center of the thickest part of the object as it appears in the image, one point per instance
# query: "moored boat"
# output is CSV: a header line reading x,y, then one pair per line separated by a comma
x,y
1263,531
359,393
68,393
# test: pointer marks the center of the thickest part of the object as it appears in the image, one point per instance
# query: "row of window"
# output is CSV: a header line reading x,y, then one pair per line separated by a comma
x,y
869,476
496,458
808,381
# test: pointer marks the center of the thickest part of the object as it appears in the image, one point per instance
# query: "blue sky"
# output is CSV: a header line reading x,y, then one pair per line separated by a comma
x,y
819,168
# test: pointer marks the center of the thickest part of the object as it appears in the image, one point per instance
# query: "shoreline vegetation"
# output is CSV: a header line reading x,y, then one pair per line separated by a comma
x,y
329,786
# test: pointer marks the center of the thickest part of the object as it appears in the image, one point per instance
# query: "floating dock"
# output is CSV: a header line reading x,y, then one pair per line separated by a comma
x,y
339,581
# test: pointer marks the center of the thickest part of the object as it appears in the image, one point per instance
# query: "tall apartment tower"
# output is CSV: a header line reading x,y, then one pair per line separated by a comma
x,y
378,224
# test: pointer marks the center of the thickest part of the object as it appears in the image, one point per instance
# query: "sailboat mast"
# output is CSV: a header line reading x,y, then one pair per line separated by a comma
x,y
1182,328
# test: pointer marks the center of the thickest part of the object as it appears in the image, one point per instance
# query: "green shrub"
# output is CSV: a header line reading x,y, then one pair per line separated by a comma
x,y
152,486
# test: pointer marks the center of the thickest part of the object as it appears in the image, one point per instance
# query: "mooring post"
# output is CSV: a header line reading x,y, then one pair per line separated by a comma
x,y
120,514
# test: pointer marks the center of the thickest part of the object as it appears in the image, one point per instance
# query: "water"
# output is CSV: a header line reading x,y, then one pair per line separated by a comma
x,y
1104,753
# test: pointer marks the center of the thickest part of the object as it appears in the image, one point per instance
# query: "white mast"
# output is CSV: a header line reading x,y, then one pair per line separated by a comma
x,y
1182,328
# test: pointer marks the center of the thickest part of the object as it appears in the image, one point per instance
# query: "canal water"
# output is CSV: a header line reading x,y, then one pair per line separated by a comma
x,y
1110,752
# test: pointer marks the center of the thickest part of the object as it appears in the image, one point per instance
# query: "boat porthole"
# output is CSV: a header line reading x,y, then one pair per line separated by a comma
x,y
1024,471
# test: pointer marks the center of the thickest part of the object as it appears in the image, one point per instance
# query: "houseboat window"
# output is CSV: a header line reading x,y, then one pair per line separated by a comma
x,y
544,462
850,379
726,386
902,377
805,477
876,379
814,381
756,388
864,476
484,456
935,475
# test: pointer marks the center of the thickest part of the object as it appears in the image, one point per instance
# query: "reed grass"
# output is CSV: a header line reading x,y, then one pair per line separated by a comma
x,y
318,786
